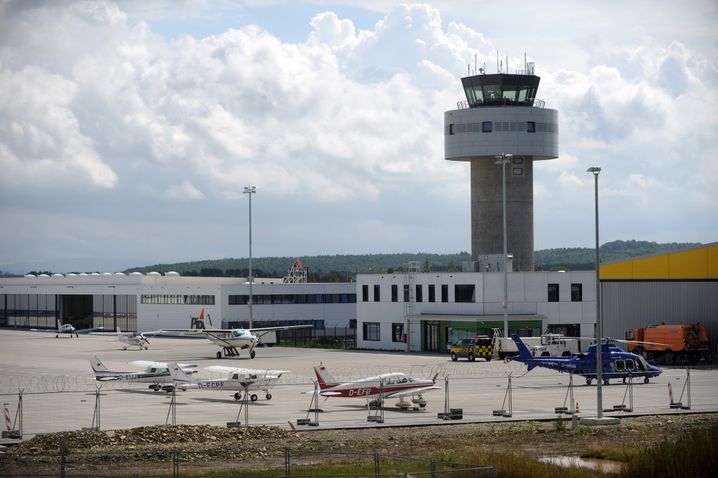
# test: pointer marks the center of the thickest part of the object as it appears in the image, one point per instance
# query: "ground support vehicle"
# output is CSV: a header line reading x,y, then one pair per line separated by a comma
x,y
680,344
480,346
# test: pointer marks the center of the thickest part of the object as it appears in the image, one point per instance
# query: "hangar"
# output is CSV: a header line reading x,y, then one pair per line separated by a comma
x,y
143,302
678,287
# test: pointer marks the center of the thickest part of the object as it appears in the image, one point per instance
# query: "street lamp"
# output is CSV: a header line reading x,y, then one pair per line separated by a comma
x,y
250,190
599,323
503,159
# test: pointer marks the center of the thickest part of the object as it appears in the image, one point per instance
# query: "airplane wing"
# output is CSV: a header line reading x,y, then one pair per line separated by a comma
x,y
253,371
90,330
413,391
284,327
149,363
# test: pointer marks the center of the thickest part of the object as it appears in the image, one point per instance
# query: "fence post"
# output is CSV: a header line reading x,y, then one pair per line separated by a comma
x,y
377,469
287,463
175,464
62,457
433,469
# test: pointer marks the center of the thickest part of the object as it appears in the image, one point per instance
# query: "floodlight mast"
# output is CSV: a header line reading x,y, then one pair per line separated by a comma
x,y
599,323
250,190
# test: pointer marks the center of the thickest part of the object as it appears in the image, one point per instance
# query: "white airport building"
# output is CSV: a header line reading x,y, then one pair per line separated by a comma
x,y
426,311
154,301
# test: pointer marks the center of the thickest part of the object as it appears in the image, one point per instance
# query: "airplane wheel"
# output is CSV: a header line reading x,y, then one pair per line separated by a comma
x,y
219,355
471,357
645,380
253,397
237,396
269,396
454,357
57,336
588,381
146,347
422,405
251,354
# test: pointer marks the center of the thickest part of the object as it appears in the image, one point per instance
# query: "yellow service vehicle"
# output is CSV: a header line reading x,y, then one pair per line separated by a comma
x,y
480,346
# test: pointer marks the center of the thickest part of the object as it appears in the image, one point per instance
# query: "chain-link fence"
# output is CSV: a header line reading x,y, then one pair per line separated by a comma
x,y
224,462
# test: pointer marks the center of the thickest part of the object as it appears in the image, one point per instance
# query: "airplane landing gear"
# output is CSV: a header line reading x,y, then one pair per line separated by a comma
x,y
268,396
253,397
645,380
228,352
238,396
588,381
251,354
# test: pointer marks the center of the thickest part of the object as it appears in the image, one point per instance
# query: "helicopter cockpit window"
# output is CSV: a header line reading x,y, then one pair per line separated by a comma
x,y
630,365
620,365
641,365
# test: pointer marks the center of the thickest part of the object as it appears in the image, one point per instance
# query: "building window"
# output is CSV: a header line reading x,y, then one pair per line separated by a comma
x,y
432,293
371,331
445,292
553,292
394,293
451,129
464,293
576,292
397,332
377,294
419,293
406,292
365,293
486,127
517,171
530,126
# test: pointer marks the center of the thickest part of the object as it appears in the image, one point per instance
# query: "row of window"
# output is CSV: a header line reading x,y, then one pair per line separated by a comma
x,y
463,293
501,126
265,299
371,331
177,299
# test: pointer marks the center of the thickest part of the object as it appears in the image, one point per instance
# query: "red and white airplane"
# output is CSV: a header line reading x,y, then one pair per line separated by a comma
x,y
387,385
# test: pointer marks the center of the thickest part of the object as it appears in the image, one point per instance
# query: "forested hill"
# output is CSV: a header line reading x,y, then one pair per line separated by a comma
x,y
341,268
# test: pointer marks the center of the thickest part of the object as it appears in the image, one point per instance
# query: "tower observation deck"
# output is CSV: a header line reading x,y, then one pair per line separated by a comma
x,y
501,115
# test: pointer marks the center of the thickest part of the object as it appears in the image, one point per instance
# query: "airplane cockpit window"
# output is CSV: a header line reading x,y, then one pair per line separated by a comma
x,y
239,332
235,376
403,379
152,370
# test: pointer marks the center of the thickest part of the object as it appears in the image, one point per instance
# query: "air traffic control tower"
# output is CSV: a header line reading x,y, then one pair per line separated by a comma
x,y
501,115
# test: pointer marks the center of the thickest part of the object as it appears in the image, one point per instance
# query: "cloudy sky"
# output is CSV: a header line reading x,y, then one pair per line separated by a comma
x,y
129,129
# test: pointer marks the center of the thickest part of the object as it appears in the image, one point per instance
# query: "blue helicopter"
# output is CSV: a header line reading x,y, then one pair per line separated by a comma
x,y
617,363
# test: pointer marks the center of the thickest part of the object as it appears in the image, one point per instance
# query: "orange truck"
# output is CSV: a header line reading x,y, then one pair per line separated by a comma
x,y
681,344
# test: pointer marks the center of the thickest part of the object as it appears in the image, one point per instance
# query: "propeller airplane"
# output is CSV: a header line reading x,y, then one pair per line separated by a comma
x,y
240,379
230,340
155,373
71,330
133,340
616,363
386,385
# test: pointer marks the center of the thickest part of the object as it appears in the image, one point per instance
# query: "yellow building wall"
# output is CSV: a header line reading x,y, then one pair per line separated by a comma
x,y
698,263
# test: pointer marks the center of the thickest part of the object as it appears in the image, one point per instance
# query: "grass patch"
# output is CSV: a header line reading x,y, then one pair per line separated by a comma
x,y
623,455
687,454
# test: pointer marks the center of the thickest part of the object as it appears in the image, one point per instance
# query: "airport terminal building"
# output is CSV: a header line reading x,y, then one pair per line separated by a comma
x,y
138,302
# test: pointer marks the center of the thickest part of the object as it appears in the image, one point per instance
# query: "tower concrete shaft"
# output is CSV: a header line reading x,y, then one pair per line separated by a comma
x,y
487,210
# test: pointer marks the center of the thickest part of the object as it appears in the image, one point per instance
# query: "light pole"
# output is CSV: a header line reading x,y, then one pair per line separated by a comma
x,y
599,323
250,190
503,159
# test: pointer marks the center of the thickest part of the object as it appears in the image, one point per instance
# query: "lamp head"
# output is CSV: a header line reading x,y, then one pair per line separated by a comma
x,y
250,189
594,169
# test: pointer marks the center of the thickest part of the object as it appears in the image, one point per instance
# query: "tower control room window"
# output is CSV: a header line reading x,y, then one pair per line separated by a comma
x,y
486,127
553,292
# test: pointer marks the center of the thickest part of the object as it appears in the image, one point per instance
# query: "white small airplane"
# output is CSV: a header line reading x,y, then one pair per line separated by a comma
x,y
133,340
230,340
71,330
387,385
154,373
65,329
240,379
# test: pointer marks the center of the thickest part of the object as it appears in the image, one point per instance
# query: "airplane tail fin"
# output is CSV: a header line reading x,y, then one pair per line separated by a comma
x,y
524,355
178,375
97,365
324,378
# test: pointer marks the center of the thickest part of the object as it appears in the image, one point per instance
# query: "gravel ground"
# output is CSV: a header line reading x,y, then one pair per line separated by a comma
x,y
264,446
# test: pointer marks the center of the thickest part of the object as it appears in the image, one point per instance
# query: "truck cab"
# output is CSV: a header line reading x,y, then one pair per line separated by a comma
x,y
480,346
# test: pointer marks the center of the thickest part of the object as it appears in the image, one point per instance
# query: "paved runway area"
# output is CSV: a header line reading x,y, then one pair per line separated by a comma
x,y
59,390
